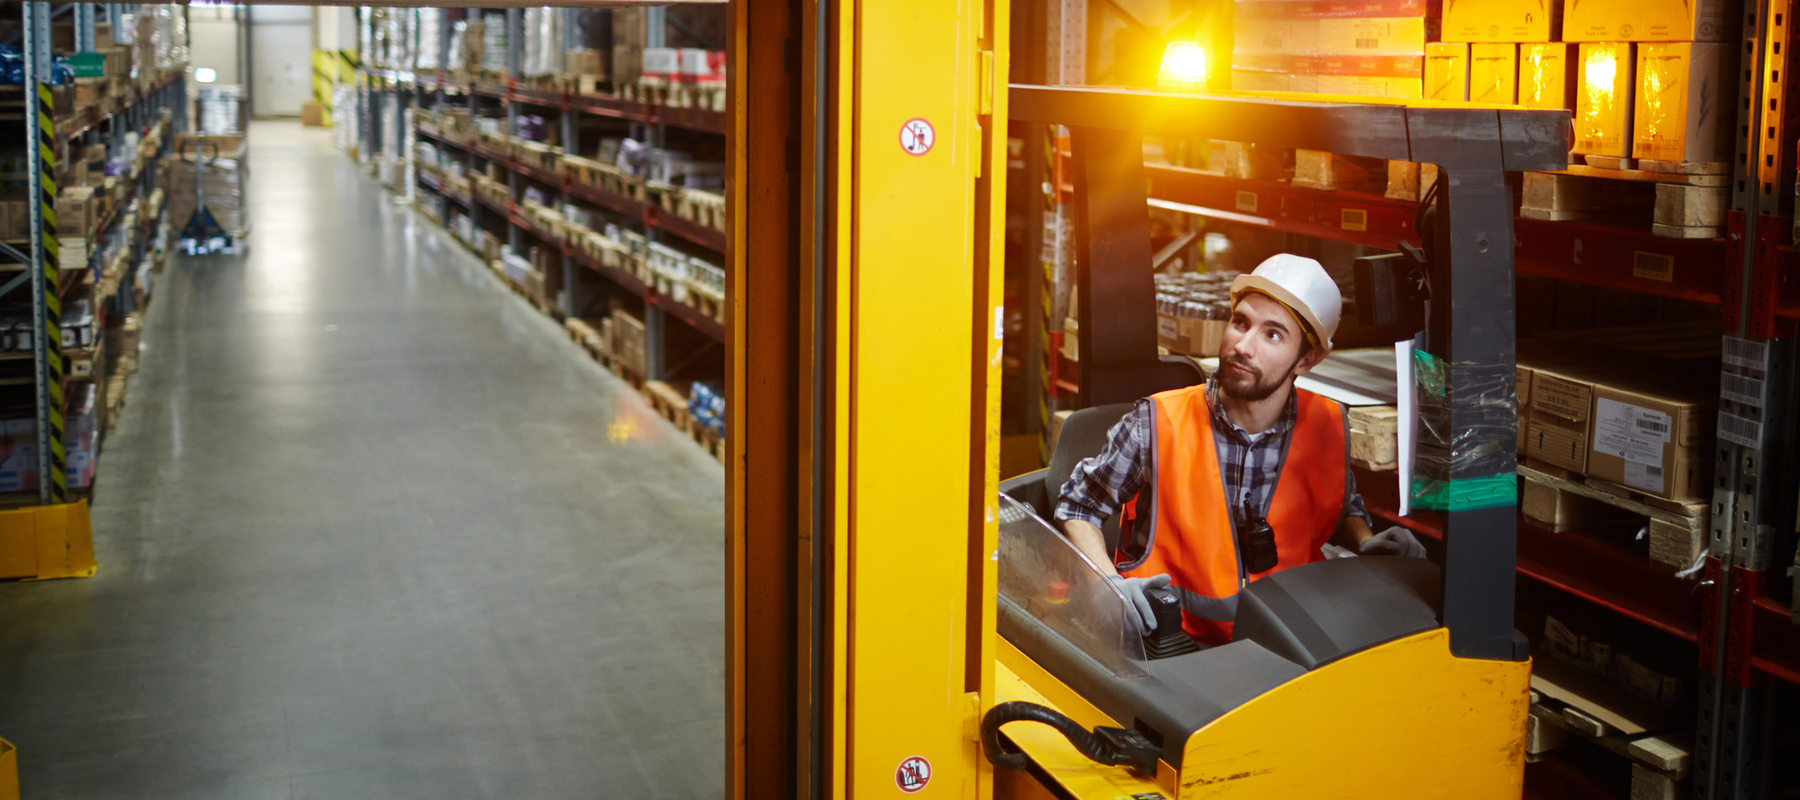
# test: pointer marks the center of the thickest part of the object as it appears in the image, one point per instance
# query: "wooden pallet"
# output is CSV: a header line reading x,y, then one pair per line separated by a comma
x,y
712,442
1690,212
1314,169
706,304
668,402
1677,530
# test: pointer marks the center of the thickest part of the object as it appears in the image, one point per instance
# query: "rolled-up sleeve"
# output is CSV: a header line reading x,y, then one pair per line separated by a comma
x,y
1098,485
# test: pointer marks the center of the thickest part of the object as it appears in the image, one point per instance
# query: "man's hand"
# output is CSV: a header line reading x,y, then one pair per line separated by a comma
x,y
1133,589
1395,541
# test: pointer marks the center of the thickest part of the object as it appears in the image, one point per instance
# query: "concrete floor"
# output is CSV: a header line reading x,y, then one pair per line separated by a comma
x,y
371,527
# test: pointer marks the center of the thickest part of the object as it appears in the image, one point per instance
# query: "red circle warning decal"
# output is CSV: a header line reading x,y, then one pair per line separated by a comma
x,y
917,136
913,774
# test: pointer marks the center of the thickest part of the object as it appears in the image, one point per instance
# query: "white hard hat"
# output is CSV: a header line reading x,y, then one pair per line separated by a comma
x,y
1302,285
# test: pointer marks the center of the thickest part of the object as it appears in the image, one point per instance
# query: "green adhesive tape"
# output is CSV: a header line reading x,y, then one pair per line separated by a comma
x,y
1466,494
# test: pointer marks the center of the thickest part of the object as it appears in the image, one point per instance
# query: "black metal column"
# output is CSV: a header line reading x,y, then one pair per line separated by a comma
x,y
1119,362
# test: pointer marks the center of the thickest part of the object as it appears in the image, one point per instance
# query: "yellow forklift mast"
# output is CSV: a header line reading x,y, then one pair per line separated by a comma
x,y
872,628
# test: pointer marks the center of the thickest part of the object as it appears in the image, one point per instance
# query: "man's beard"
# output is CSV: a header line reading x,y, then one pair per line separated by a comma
x,y
1250,388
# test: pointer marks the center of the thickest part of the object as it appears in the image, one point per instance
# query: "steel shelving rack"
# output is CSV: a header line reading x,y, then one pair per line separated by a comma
x,y
1739,614
671,353
54,280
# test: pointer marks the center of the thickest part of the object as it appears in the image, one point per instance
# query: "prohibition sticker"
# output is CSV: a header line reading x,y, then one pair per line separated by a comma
x,y
913,774
916,138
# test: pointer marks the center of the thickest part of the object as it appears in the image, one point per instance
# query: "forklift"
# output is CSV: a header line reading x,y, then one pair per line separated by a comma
x,y
903,622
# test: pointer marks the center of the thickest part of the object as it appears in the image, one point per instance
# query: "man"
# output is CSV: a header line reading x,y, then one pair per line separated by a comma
x,y
1251,476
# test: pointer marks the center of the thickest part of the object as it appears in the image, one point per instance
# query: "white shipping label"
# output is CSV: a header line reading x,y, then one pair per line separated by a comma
x,y
1648,477
1629,432
1167,328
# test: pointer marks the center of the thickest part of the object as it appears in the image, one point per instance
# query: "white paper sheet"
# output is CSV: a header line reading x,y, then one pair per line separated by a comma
x,y
1408,419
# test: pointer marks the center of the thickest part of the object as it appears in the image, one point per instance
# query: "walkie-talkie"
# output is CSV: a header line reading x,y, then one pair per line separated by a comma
x,y
1256,543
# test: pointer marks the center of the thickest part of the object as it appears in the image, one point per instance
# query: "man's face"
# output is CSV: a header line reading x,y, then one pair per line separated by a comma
x,y
1262,349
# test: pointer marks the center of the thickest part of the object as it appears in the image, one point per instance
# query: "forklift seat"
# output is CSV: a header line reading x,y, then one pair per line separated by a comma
x,y
1083,436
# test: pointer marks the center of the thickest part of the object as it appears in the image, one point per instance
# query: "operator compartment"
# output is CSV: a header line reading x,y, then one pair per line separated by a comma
x,y
1057,608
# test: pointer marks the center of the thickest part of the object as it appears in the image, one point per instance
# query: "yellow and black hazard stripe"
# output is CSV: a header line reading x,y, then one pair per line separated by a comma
x,y
324,83
52,332
347,64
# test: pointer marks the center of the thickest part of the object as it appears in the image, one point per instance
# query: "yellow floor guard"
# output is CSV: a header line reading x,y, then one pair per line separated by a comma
x,y
42,542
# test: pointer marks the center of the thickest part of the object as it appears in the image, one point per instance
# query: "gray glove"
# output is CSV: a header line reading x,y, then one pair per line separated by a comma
x,y
1133,589
1395,541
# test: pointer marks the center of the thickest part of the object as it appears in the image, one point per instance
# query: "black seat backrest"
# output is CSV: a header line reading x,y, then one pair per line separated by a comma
x,y
1083,436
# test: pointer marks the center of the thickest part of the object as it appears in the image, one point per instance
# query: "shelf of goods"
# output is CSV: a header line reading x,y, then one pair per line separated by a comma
x,y
1614,256
111,234
1632,569
583,201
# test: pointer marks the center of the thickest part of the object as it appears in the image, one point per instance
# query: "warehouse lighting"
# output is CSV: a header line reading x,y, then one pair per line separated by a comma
x,y
1601,68
1183,69
205,74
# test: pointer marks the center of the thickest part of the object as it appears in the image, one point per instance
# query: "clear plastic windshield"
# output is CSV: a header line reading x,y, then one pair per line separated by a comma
x,y
1043,575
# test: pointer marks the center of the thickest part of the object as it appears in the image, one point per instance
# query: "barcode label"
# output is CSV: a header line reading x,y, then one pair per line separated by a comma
x,y
1246,201
1367,44
1740,431
1648,477
1741,389
1354,219
1629,432
1745,353
1653,266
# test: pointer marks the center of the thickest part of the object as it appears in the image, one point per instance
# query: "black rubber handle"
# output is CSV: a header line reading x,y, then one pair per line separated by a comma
x,y
1091,744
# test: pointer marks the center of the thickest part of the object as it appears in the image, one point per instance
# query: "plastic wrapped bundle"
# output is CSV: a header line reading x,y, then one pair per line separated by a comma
x,y
458,45
543,42
430,39
493,55
1463,462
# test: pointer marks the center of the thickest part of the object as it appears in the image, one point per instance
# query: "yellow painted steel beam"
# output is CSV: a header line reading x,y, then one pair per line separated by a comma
x,y
924,275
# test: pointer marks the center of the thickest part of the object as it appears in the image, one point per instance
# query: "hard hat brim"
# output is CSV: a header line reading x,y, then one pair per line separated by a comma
x,y
1294,305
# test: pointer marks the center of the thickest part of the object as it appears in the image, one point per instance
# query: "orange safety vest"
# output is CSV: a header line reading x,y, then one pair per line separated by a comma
x,y
1190,533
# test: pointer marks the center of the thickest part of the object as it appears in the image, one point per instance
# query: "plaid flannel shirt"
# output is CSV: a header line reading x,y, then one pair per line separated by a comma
x,y
1250,464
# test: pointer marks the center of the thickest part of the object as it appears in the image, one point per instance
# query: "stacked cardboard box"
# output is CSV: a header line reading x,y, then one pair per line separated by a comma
x,y
1373,49
1656,77
1637,418
213,169
628,342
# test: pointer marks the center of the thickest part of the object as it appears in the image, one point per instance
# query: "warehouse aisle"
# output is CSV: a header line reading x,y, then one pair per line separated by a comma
x,y
372,527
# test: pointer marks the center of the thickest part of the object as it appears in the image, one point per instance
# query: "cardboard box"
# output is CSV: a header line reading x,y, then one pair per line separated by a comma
x,y
589,62
1502,21
75,209
474,44
1365,86
1493,73
1684,91
627,63
1547,75
1556,440
1252,81
1649,21
1654,435
313,115
1372,36
1603,101
1254,36
1561,401
1447,71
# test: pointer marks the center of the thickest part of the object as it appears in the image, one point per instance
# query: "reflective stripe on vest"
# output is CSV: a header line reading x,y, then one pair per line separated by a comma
x,y
1191,534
